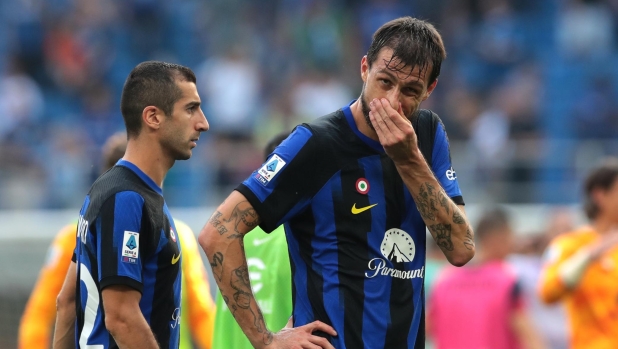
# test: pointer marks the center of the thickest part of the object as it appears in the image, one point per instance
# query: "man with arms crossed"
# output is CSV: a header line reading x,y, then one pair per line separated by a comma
x,y
126,274
355,194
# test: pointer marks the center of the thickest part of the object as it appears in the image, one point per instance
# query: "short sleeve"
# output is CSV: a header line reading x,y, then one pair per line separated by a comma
x,y
442,166
118,251
285,183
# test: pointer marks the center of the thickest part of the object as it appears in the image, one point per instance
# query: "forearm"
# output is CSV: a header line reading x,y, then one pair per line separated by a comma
x,y
222,240
64,332
131,331
446,222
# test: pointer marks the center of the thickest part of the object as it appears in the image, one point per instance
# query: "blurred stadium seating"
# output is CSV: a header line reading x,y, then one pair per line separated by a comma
x,y
528,95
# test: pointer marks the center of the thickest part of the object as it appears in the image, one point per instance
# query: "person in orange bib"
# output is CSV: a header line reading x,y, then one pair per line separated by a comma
x,y
581,267
197,322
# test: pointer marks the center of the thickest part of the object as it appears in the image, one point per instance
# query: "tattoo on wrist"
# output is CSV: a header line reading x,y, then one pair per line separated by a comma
x,y
469,240
442,235
217,265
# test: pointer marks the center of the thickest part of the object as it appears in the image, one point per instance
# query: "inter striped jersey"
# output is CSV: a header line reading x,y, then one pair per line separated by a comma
x,y
355,237
126,236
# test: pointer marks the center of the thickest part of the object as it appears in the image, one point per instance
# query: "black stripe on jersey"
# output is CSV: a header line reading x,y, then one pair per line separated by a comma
x,y
163,297
420,336
401,304
109,257
351,273
315,281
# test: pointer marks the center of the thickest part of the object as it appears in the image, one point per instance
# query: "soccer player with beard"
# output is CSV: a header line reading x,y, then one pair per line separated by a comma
x,y
355,194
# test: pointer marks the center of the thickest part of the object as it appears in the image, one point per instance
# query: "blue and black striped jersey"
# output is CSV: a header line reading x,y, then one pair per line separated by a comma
x,y
126,236
355,236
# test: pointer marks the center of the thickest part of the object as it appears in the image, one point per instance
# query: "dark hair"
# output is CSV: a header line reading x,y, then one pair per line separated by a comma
x,y
274,143
602,177
493,221
113,149
151,84
414,43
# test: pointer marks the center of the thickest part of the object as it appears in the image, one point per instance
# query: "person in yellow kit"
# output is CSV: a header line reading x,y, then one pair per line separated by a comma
x,y
581,267
197,323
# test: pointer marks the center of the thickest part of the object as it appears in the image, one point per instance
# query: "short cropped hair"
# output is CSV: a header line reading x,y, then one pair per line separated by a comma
x,y
151,83
491,222
414,43
113,150
602,177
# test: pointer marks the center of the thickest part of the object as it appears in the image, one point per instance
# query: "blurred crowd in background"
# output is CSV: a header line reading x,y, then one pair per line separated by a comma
x,y
527,93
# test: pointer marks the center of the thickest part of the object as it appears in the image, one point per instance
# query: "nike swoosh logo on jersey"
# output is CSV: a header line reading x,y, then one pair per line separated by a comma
x,y
258,242
175,258
361,209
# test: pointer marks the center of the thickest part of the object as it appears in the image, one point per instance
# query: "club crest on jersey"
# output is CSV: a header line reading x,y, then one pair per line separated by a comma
x,y
172,234
270,169
362,186
130,247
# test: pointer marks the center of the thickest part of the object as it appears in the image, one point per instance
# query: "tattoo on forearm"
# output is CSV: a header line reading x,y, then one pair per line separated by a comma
x,y
469,240
243,299
217,265
426,202
442,235
243,213
458,218
216,222
444,201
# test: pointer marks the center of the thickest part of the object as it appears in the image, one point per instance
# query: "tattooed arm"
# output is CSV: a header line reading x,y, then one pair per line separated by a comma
x,y
446,221
222,240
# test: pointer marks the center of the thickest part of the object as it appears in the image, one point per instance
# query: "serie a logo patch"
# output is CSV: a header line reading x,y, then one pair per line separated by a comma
x,y
130,247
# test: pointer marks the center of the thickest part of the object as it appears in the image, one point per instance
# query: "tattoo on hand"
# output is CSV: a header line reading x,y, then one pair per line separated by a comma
x,y
426,202
458,218
469,240
217,265
442,234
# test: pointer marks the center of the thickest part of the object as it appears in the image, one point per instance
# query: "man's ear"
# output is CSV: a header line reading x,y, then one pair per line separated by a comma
x,y
152,117
364,68
430,89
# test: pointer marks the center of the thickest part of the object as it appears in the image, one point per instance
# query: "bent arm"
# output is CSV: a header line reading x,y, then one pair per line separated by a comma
x,y
446,221
64,332
124,319
222,240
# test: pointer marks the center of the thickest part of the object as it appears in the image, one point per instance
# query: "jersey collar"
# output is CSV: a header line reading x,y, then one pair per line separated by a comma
x,y
370,142
141,175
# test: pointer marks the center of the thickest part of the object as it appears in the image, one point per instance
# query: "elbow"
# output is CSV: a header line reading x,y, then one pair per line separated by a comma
x,y
64,302
462,258
207,238
115,323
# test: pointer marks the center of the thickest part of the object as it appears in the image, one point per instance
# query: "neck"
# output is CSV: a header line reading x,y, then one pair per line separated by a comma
x,y
149,157
603,225
361,123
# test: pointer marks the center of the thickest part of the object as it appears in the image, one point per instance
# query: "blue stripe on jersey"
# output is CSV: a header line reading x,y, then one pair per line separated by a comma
x,y
350,118
151,266
441,163
303,313
324,244
287,150
376,306
127,217
141,175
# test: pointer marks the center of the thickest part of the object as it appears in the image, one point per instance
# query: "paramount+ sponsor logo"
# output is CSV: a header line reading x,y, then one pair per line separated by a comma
x,y
398,247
